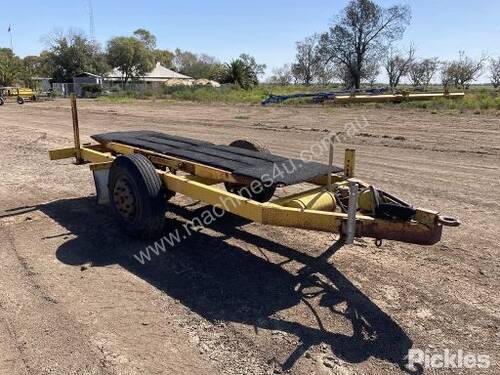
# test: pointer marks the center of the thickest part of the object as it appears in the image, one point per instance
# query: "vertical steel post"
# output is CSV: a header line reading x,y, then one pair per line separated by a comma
x,y
351,213
76,129
330,163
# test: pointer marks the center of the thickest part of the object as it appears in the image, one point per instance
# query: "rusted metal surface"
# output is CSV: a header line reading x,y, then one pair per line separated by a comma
x,y
407,231
76,130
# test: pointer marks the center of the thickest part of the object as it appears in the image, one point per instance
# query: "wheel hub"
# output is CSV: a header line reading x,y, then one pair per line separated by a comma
x,y
124,199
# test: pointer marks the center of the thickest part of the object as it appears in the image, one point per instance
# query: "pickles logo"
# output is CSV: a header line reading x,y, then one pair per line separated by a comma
x,y
418,358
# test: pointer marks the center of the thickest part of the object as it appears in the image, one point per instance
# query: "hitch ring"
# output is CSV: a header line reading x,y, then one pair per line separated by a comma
x,y
448,221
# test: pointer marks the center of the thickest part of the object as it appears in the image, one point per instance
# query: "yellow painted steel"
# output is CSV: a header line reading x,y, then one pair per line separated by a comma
x,y
89,154
349,162
233,203
120,148
426,217
271,213
304,219
263,213
95,156
25,92
100,166
62,153
397,97
202,180
317,199
18,91
365,200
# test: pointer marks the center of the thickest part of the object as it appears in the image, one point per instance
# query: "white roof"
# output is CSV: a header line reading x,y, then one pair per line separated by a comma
x,y
87,74
159,73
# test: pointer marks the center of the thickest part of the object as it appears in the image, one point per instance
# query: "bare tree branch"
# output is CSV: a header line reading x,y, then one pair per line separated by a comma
x,y
362,32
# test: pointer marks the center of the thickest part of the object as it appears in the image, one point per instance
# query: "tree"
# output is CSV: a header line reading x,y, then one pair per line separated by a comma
x,y
421,72
71,54
495,72
324,74
281,76
343,74
32,66
130,56
307,60
194,65
146,37
239,73
398,65
461,72
258,69
164,57
361,33
371,72
10,67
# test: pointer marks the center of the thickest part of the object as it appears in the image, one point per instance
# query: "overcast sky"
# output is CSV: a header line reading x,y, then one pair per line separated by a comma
x,y
266,29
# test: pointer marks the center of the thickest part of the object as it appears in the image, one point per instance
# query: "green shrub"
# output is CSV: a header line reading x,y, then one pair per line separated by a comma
x,y
91,90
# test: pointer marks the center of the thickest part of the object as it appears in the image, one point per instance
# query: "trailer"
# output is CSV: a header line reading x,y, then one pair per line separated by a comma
x,y
22,95
137,172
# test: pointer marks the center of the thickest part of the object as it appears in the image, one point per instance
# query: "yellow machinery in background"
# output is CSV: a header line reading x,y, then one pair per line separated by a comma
x,y
374,95
22,94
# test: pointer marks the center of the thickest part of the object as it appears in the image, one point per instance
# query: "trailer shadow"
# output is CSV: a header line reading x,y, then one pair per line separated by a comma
x,y
224,282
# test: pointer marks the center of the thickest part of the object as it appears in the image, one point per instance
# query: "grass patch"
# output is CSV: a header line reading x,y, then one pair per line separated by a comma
x,y
117,99
224,94
476,99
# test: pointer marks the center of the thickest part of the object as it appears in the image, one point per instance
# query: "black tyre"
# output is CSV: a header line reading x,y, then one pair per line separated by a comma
x,y
2,101
138,197
20,100
266,192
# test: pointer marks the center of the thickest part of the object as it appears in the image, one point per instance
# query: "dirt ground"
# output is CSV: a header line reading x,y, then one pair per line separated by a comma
x,y
237,297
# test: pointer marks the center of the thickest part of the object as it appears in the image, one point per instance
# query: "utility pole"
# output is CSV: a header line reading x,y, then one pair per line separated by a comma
x,y
91,21
11,43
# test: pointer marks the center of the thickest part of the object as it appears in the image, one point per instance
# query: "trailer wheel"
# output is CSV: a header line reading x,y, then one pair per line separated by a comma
x,y
20,100
266,192
138,197
2,101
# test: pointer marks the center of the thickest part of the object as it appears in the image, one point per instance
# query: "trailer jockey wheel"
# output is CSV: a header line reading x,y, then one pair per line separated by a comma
x,y
262,193
20,100
138,197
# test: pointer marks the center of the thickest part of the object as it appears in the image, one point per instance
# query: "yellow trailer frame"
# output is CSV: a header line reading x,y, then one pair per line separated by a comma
x,y
424,229
396,97
198,181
